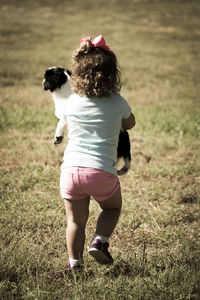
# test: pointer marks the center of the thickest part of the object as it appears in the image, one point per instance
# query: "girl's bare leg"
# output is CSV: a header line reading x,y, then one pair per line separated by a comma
x,y
109,216
77,215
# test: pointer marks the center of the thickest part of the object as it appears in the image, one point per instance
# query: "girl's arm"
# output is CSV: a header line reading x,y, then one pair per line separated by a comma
x,y
129,122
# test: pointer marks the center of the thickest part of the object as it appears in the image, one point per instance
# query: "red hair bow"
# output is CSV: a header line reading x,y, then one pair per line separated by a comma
x,y
97,42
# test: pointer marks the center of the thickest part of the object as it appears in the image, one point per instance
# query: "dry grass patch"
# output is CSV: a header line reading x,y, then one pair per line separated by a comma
x,y
156,243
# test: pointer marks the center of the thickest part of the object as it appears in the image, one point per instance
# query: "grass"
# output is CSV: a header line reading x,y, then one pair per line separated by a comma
x,y
156,244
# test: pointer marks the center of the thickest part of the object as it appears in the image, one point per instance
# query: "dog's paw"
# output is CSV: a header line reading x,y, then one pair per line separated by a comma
x,y
126,167
122,171
58,140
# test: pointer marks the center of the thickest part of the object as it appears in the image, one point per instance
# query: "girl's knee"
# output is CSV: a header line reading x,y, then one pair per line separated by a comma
x,y
77,212
77,221
113,212
114,209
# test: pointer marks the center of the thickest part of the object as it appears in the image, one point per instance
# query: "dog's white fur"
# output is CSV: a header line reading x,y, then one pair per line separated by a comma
x,y
60,97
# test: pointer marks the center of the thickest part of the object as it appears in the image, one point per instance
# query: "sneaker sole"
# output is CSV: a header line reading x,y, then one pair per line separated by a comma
x,y
100,256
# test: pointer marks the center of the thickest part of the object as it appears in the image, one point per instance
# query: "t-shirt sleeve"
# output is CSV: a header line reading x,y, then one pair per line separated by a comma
x,y
126,109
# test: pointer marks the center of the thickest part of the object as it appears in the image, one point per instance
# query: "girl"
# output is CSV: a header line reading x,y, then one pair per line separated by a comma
x,y
95,114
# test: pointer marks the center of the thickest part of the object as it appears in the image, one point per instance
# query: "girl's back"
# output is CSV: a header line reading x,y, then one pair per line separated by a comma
x,y
94,125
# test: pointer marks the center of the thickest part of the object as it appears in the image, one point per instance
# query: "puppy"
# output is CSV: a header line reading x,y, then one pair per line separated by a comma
x,y
57,80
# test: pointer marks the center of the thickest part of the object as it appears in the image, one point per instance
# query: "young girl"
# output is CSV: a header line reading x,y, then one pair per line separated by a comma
x,y
95,114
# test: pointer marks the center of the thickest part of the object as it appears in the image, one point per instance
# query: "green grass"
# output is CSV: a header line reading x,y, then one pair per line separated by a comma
x,y
156,244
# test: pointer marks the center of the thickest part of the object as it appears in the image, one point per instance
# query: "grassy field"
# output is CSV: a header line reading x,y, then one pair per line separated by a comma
x,y
156,244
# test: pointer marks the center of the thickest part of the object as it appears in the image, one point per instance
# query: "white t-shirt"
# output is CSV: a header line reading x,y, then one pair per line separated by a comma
x,y
94,125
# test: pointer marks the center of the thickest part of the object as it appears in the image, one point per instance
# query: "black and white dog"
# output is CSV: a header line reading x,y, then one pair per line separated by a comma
x,y
57,80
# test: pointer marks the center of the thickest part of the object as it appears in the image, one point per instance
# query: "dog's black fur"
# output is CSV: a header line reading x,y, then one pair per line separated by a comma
x,y
54,79
124,151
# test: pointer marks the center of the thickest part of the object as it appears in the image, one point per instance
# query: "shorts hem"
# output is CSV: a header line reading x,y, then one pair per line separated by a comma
x,y
70,197
106,197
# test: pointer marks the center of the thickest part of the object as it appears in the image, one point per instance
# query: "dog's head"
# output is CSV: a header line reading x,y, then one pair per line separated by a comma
x,y
55,77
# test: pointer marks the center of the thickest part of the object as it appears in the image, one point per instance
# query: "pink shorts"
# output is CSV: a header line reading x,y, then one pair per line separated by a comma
x,y
80,182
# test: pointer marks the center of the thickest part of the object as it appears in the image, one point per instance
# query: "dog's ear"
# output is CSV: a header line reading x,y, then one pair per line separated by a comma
x,y
69,72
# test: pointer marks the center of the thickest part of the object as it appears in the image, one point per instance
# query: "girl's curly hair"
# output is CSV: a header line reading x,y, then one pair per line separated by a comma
x,y
95,71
